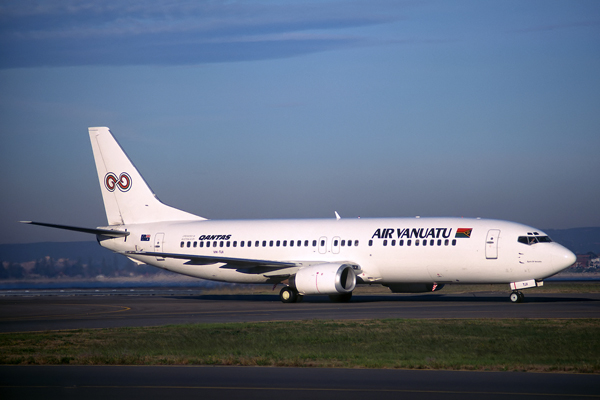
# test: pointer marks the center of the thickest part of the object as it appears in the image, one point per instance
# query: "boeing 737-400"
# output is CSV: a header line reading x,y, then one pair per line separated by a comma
x,y
314,256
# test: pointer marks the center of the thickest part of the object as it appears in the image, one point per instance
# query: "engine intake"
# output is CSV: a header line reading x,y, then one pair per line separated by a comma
x,y
328,278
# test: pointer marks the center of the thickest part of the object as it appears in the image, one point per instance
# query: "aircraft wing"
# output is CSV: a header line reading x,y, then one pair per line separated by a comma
x,y
230,261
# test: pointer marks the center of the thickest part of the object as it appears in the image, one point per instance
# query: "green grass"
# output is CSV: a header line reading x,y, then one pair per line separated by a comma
x,y
551,345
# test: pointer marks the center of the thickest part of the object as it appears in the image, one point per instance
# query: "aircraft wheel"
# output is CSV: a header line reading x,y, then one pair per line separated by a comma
x,y
516,297
288,295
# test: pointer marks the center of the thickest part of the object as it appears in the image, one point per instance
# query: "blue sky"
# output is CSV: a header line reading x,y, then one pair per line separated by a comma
x,y
288,109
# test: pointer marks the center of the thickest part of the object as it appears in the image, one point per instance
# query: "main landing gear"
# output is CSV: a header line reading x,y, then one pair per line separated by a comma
x,y
289,295
517,297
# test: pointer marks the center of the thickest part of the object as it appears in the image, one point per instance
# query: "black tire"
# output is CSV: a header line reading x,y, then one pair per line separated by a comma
x,y
516,297
288,295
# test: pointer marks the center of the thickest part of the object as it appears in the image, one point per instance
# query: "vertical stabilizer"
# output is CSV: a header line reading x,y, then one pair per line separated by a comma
x,y
127,197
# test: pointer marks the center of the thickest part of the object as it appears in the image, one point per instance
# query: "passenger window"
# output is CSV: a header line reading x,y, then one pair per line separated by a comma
x,y
371,242
182,244
439,242
453,242
291,243
207,244
322,243
393,243
356,242
214,244
228,244
425,242
335,242
408,242
349,242
188,244
446,242
343,243
241,243
195,244
257,243
201,244
417,242
314,243
264,243
278,243
401,242
270,243
221,244
385,242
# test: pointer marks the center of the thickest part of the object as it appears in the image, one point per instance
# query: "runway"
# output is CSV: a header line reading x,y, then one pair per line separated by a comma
x,y
94,309
76,309
250,383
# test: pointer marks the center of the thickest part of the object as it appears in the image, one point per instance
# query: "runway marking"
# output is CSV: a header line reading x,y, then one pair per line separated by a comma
x,y
122,309
303,389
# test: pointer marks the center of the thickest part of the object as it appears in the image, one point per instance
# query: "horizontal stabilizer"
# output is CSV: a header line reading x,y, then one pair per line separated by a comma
x,y
94,231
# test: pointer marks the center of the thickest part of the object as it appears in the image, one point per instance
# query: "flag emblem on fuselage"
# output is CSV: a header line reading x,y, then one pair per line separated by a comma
x,y
145,238
463,233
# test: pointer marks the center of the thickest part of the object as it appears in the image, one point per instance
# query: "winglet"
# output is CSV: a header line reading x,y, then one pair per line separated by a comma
x,y
337,216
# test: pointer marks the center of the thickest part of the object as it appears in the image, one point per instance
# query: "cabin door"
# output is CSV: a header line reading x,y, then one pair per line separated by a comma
x,y
323,245
158,245
491,244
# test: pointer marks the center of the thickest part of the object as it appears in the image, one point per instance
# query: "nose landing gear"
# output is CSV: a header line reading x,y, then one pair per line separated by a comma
x,y
517,297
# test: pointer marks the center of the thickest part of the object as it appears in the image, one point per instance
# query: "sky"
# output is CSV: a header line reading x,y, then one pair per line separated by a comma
x,y
296,109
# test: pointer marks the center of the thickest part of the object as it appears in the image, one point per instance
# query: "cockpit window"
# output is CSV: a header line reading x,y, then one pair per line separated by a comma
x,y
531,239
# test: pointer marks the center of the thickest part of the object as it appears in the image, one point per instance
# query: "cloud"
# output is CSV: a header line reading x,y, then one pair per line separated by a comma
x,y
76,32
554,27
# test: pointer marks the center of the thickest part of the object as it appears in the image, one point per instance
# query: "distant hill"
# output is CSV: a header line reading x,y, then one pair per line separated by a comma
x,y
19,253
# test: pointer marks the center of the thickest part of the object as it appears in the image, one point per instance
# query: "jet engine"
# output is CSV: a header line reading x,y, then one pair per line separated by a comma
x,y
414,287
329,278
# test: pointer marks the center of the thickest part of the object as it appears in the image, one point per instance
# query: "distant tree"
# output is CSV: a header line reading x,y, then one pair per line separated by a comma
x,y
75,270
3,272
15,271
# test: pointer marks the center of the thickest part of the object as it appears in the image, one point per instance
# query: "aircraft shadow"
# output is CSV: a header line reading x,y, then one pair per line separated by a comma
x,y
479,298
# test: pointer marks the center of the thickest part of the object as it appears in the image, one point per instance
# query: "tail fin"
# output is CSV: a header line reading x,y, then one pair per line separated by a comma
x,y
127,197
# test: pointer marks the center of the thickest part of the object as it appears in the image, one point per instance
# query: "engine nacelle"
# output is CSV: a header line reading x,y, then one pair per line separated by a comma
x,y
414,287
329,278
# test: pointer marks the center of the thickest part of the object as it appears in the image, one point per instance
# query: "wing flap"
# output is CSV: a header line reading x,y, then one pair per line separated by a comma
x,y
231,262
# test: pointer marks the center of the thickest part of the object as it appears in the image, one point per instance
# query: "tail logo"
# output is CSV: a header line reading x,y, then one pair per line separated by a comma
x,y
123,182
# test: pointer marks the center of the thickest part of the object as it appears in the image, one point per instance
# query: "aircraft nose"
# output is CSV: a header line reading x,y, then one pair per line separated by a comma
x,y
563,258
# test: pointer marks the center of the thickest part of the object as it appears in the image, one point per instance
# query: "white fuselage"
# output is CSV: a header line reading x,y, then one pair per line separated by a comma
x,y
388,250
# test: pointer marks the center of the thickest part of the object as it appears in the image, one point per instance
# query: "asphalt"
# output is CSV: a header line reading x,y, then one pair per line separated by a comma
x,y
33,311
250,383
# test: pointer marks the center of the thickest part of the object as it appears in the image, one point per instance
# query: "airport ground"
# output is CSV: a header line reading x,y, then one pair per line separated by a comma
x,y
105,308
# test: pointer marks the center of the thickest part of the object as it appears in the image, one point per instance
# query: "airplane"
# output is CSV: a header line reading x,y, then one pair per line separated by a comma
x,y
314,256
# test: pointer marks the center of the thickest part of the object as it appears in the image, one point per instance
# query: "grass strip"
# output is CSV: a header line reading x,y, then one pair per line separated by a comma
x,y
542,345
